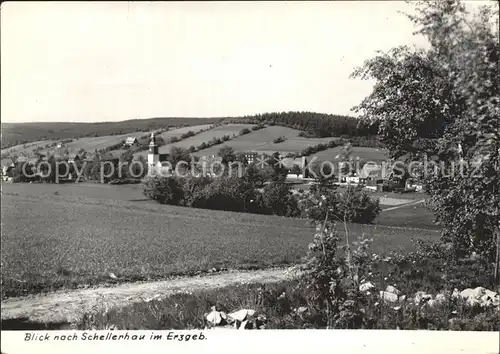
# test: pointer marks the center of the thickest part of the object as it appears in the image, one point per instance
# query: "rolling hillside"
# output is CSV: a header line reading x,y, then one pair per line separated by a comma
x,y
20,133
206,136
259,140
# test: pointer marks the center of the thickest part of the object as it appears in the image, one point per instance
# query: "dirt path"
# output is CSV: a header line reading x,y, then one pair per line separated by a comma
x,y
405,205
66,306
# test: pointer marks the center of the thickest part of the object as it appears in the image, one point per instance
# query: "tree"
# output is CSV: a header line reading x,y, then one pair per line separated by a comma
x,y
296,170
227,154
441,104
178,154
277,197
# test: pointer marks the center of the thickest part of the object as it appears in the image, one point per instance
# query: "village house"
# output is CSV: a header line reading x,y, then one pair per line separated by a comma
x,y
294,165
250,156
131,141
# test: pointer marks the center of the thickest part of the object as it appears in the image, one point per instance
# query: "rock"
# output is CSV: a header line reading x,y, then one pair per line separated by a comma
x,y
388,297
243,325
440,298
479,291
467,293
215,317
402,298
301,310
455,293
366,286
392,289
241,315
112,276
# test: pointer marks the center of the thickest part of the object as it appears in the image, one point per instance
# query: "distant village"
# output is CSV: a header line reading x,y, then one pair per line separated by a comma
x,y
373,176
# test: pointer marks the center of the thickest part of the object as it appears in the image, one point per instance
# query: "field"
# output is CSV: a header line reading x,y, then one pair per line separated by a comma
x,y
364,153
19,133
206,136
56,236
28,147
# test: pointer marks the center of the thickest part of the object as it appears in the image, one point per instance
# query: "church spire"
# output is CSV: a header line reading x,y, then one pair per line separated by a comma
x,y
152,139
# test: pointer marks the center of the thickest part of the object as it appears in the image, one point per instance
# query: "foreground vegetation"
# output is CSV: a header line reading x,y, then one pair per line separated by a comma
x,y
420,293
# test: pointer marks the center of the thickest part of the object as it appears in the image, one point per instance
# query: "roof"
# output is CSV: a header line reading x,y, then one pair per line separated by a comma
x,y
289,162
370,170
131,140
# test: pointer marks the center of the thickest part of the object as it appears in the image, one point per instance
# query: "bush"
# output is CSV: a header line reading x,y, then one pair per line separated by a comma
x,y
244,131
279,139
354,205
278,199
165,190
226,193
188,134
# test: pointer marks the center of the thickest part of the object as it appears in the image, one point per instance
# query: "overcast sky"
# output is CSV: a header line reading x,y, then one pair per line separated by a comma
x,y
115,61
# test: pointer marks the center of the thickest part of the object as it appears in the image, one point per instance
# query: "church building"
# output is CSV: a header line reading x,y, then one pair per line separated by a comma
x,y
155,159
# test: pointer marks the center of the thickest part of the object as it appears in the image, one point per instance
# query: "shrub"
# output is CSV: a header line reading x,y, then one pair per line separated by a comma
x,y
279,200
226,193
354,205
165,190
258,127
244,131
279,139
188,134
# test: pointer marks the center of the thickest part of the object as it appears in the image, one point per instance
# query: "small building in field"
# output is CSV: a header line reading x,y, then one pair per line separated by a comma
x,y
131,141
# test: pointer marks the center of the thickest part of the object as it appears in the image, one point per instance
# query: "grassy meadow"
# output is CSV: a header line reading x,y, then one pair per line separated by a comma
x,y
259,140
75,235
203,137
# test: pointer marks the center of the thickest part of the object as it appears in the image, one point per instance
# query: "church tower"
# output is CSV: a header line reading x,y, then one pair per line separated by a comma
x,y
153,155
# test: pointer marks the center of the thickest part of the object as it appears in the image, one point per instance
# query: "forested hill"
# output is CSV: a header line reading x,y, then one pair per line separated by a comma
x,y
315,124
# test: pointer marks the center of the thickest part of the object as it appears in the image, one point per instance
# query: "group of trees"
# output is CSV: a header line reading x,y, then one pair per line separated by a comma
x,y
441,104
261,190
316,124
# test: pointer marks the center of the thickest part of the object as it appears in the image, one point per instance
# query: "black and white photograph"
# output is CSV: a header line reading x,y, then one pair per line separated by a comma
x,y
211,175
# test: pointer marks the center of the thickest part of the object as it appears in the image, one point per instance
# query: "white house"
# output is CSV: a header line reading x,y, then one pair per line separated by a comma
x,y
131,141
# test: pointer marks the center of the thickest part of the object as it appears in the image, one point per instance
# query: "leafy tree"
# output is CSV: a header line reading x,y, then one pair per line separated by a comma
x,y
296,170
441,104
178,154
278,199
227,154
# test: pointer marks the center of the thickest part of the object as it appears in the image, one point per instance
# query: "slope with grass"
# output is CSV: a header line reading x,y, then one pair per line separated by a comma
x,y
19,133
28,148
363,153
79,234
260,140
203,137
